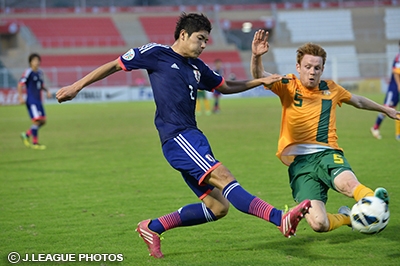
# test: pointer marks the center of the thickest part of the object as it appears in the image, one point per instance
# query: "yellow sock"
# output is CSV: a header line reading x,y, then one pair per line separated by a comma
x,y
207,105
362,191
198,107
337,220
397,128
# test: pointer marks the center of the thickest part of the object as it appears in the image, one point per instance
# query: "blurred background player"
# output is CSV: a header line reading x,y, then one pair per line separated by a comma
x,y
308,139
218,68
32,80
391,98
176,73
202,103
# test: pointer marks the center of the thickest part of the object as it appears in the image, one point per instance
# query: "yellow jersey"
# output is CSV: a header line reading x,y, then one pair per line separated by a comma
x,y
308,116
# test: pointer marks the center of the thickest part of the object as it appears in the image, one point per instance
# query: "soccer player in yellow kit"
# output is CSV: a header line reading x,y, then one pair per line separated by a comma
x,y
308,139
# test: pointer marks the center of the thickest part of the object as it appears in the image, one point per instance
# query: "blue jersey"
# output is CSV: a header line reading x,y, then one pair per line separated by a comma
x,y
33,81
174,80
392,94
395,69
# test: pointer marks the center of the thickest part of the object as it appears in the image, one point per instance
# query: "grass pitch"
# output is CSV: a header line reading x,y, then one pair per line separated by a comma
x,y
103,171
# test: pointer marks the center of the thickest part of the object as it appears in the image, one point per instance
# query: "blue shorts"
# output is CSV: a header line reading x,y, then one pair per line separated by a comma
x,y
392,97
190,153
216,93
36,111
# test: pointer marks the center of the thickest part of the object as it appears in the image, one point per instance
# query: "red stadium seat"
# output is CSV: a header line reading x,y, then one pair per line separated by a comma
x,y
65,69
74,32
231,60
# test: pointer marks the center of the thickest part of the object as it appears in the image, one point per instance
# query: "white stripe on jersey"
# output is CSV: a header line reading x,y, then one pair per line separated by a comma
x,y
192,153
25,75
148,46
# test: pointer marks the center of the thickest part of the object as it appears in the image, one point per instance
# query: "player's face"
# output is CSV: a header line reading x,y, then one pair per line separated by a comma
x,y
196,43
35,63
310,70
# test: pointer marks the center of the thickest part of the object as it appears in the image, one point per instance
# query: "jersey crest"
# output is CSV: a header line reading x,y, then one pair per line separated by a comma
x,y
197,75
323,87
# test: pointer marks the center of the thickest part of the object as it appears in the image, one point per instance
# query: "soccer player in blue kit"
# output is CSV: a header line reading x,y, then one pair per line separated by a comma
x,y
33,81
391,98
176,73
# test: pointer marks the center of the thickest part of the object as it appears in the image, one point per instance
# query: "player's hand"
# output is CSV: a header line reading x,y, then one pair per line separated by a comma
x,y
66,93
260,45
48,95
393,113
267,81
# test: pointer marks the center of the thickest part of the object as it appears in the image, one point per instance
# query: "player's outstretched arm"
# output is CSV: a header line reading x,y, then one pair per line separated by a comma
x,y
69,92
47,92
20,93
259,46
362,102
233,86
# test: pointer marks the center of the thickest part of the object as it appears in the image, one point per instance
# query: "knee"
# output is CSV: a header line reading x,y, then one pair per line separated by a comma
x,y
346,182
318,223
220,209
40,123
222,212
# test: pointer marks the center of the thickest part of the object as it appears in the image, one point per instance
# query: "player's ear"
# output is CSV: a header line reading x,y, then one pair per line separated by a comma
x,y
298,68
182,35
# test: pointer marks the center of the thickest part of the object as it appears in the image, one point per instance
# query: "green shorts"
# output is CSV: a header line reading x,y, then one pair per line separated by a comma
x,y
312,175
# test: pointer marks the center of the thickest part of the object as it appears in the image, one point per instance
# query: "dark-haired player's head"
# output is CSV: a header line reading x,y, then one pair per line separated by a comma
x,y
33,56
191,35
34,61
192,23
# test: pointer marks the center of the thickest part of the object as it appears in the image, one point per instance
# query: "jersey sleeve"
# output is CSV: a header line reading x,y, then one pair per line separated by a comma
x,y
41,74
24,76
210,80
344,95
144,57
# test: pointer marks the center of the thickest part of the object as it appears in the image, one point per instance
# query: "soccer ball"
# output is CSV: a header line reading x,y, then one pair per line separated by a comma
x,y
370,215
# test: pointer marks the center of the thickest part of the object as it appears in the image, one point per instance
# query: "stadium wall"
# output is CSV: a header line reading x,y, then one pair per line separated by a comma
x,y
370,57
